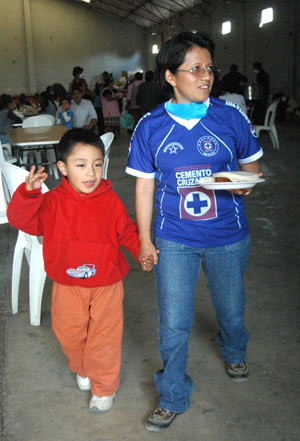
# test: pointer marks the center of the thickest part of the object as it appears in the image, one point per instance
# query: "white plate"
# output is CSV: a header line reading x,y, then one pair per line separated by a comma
x,y
230,185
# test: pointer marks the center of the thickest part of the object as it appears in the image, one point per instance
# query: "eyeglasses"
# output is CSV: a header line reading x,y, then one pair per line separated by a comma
x,y
200,71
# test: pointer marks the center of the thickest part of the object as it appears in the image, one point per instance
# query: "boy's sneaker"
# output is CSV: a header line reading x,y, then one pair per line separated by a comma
x,y
160,419
83,383
237,371
101,404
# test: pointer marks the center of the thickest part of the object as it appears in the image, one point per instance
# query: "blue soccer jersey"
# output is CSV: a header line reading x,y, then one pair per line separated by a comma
x,y
178,153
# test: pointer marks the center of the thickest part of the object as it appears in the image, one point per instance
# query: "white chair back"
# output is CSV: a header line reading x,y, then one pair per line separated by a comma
x,y
33,248
14,176
271,114
107,139
5,153
269,125
3,203
38,121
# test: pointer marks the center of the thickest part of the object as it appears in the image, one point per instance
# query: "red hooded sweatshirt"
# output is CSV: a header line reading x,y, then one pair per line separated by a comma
x,y
82,232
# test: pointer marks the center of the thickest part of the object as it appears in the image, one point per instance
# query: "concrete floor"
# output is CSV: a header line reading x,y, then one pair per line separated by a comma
x,y
40,400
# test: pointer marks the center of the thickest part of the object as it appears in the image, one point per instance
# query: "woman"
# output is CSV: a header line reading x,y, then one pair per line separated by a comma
x,y
7,116
192,136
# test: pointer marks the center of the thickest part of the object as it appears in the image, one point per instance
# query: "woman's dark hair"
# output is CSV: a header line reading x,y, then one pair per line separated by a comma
x,y
44,96
173,51
77,70
5,100
77,136
59,91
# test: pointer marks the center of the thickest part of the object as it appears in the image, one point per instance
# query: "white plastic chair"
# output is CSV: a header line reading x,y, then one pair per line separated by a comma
x,y
107,139
5,153
3,203
269,125
42,121
33,248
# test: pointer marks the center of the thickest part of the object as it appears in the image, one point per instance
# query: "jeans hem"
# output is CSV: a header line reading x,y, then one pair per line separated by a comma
x,y
176,409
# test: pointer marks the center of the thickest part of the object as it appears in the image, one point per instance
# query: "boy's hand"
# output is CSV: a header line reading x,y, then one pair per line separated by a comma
x,y
35,179
147,263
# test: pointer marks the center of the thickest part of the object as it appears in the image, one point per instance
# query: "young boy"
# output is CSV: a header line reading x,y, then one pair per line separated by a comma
x,y
84,223
66,116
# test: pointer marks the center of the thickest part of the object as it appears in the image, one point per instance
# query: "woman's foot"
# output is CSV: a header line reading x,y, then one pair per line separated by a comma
x,y
160,419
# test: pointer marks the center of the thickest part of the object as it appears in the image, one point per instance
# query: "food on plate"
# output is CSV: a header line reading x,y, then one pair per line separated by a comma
x,y
239,176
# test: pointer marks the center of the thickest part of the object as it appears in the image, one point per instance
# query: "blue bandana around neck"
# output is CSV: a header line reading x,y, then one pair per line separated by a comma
x,y
187,111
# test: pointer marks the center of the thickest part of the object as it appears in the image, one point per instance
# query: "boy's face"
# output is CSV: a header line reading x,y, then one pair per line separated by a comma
x,y
65,105
83,168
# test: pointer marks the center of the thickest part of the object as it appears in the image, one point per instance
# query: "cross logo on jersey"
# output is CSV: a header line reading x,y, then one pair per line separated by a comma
x,y
197,203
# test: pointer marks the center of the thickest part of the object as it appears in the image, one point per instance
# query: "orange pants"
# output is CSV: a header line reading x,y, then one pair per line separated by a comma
x,y
88,323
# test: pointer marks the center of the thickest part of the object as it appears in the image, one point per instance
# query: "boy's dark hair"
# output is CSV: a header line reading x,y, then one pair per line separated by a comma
x,y
77,136
173,51
68,98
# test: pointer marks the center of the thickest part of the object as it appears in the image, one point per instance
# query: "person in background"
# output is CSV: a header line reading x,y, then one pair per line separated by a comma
x,y
188,138
132,106
262,101
234,98
23,101
78,81
110,108
7,117
58,93
149,93
65,117
98,107
84,224
84,113
47,106
234,81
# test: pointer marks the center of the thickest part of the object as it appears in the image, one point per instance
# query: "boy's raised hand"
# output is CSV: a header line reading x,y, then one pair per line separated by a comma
x,y
35,178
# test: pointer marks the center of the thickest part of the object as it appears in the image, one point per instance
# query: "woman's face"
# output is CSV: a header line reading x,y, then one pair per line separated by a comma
x,y
192,87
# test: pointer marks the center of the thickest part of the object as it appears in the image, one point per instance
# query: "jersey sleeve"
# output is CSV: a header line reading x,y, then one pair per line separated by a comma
x,y
248,148
141,161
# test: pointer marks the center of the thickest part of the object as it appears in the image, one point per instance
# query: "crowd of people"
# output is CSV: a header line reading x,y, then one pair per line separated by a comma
x,y
78,106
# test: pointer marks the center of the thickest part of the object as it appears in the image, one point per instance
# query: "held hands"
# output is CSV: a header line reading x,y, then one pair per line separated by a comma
x,y
148,256
35,178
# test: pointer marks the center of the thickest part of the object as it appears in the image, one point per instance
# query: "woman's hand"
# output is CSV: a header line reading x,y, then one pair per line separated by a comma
x,y
35,179
251,167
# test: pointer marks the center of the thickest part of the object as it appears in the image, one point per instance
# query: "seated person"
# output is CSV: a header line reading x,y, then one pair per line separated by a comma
x,y
7,117
23,101
234,98
85,115
47,105
65,117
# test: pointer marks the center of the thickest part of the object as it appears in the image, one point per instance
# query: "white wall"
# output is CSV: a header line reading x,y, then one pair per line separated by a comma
x,y
65,34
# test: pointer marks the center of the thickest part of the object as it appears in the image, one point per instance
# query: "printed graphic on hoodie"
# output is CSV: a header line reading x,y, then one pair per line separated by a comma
x,y
83,271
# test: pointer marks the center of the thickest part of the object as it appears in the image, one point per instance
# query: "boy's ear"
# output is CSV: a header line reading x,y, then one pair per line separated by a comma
x,y
62,168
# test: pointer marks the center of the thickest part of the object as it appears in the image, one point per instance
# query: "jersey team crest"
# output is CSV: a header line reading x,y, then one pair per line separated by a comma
x,y
197,203
208,146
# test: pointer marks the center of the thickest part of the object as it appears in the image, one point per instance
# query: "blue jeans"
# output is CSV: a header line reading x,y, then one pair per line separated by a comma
x,y
176,277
